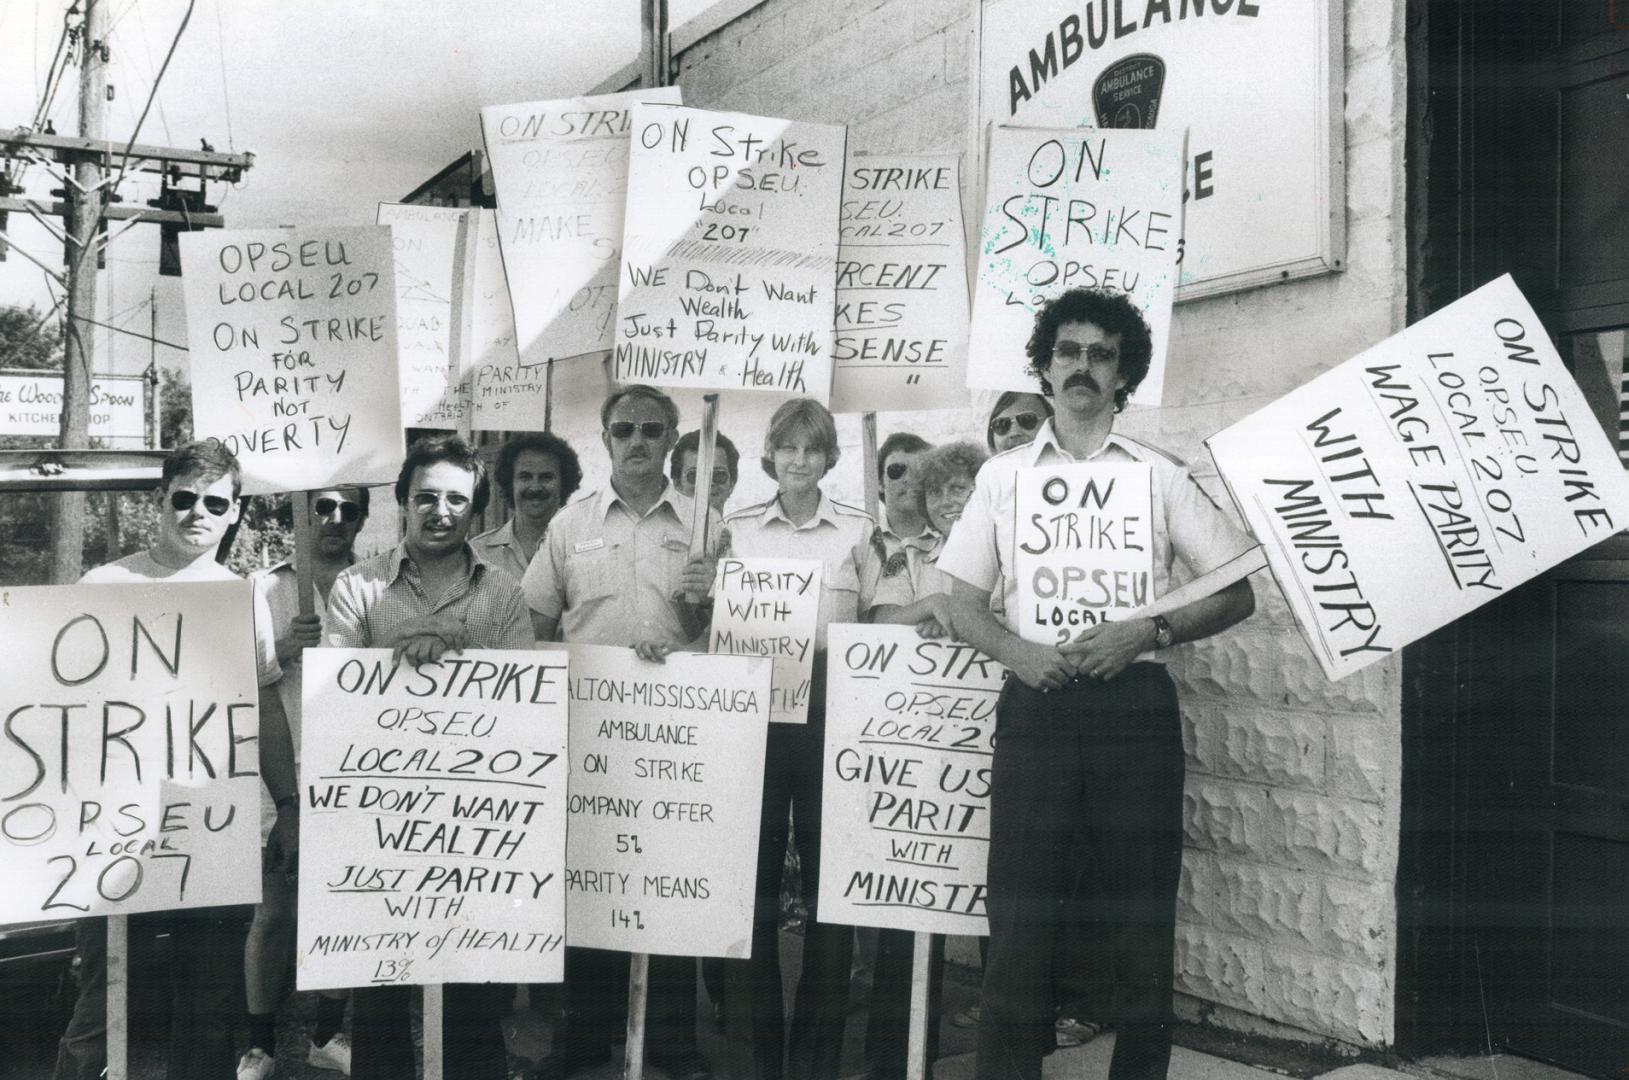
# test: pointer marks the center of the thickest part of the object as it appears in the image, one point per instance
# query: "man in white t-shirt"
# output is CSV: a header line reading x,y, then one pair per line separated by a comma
x,y
197,503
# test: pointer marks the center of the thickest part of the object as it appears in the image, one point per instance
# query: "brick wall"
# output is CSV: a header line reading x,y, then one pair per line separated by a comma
x,y
1287,910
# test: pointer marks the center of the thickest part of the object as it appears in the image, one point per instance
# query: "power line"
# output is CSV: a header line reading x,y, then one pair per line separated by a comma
x,y
226,97
124,160
147,48
131,333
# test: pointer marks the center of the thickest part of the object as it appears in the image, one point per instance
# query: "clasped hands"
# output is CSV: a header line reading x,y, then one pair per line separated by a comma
x,y
1099,652
427,638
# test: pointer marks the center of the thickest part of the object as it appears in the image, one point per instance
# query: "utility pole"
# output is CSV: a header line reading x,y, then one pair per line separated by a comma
x,y
85,161
87,195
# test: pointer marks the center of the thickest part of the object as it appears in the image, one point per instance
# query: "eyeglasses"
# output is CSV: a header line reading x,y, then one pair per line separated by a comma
x,y
348,511
427,502
897,470
721,476
624,429
183,501
1026,421
1095,354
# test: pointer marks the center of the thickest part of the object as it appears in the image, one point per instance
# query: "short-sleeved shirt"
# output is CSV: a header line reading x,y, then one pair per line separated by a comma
x,y
844,538
499,547
371,600
282,588
1187,524
608,575
142,568
918,576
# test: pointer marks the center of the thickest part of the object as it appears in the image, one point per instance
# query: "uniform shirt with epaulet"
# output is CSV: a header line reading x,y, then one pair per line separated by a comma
x,y
610,576
844,538
370,600
1187,524
501,548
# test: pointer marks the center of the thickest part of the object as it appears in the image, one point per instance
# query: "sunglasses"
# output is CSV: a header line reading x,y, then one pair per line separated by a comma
x,y
624,429
185,500
1096,354
1026,421
720,476
897,470
348,511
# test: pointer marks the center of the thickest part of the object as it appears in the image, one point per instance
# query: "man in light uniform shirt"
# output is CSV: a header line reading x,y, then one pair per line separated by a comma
x,y
1086,785
614,569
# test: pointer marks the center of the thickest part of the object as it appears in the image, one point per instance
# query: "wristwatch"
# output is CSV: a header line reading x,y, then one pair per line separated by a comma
x,y
1162,633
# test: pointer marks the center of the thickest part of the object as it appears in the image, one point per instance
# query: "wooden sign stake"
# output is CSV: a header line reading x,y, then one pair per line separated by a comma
x,y
633,1065
118,997
868,449
704,479
916,1054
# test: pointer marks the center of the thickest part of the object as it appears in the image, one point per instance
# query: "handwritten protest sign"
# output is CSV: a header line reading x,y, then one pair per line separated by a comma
x,y
504,393
425,240
1084,549
432,836
293,353
1424,477
561,173
666,774
769,607
905,808
729,252
901,286
1066,209
130,768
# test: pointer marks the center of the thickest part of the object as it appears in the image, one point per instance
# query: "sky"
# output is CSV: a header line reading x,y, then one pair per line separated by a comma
x,y
344,103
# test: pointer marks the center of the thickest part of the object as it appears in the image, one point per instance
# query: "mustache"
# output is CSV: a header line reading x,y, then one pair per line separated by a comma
x,y
1082,378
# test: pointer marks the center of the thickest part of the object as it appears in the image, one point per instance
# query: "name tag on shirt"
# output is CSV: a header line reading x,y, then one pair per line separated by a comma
x,y
588,545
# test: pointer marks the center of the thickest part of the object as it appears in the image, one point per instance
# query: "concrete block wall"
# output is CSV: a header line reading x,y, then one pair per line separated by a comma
x,y
1287,909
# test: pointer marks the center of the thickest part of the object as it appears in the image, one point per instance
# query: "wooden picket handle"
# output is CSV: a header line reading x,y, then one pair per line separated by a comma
x,y
705,452
916,1055
633,1064
118,997
868,451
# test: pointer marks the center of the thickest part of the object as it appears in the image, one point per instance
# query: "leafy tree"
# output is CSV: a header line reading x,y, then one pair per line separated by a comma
x,y
28,339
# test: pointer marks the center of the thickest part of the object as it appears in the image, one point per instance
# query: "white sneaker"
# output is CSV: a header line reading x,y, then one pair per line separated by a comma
x,y
335,1054
256,1065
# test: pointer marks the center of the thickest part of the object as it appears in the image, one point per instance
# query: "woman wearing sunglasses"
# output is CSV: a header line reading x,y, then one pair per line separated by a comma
x,y
1015,419
801,522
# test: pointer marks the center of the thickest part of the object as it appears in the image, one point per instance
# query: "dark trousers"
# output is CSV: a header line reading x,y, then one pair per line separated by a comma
x,y
1085,854
204,991
753,1002
471,1031
596,999
887,1030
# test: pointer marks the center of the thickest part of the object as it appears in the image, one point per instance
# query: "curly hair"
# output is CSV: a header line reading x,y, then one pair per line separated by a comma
x,y
433,450
945,463
542,442
1109,311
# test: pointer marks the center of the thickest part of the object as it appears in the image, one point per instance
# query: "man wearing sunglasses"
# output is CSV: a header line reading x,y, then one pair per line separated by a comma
x,y
197,502
1086,783
429,596
337,515
615,569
